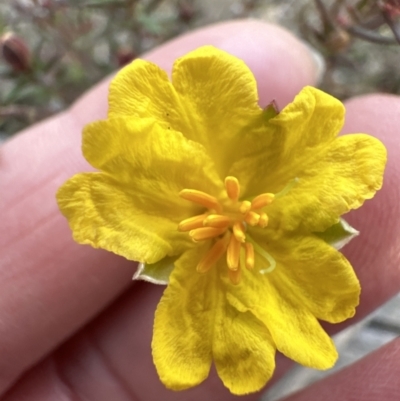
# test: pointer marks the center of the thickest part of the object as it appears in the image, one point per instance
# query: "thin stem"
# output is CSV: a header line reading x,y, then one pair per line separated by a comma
x,y
370,36
393,25
264,254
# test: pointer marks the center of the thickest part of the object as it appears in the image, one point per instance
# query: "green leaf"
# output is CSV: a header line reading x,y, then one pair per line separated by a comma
x,y
339,234
156,273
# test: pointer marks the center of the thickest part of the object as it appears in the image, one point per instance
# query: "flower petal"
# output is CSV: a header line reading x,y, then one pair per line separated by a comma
x,y
158,163
295,332
218,95
213,99
194,324
243,350
320,277
105,214
142,89
347,173
136,212
269,158
334,175
183,326
301,288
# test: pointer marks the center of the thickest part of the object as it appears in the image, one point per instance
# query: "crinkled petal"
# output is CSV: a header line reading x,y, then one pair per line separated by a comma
x,y
183,326
334,174
269,158
319,276
105,214
195,324
219,94
142,89
280,302
347,173
154,164
134,208
213,99
157,162
243,350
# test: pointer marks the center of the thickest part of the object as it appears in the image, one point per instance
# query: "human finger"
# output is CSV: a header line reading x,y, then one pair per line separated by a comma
x,y
122,335
374,378
113,344
50,286
375,253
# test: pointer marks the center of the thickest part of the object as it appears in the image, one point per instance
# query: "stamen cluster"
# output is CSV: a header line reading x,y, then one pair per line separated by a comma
x,y
226,228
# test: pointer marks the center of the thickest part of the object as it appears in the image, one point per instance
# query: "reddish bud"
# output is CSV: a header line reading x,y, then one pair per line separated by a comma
x,y
125,56
391,7
186,11
15,52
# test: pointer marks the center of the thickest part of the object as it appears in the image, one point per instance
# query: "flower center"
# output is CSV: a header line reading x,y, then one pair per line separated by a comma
x,y
227,227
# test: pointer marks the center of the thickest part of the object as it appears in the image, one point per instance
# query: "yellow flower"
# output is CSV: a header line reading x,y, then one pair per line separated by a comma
x,y
227,202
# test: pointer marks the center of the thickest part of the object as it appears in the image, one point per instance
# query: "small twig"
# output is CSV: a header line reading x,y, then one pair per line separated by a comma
x,y
101,4
28,112
393,25
369,36
354,14
335,9
152,6
325,16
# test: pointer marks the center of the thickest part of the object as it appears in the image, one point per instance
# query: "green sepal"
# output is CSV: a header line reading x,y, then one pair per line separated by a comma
x,y
270,111
339,234
156,273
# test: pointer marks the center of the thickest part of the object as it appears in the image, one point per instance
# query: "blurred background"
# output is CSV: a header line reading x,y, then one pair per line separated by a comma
x,y
51,51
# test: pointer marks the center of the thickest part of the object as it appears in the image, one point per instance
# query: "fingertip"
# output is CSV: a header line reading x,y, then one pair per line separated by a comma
x,y
281,63
375,254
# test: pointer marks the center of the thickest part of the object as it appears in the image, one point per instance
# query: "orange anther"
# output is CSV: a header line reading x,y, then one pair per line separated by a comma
x,y
201,198
217,221
200,234
192,223
245,206
263,220
261,201
233,253
213,255
249,255
252,218
239,231
232,188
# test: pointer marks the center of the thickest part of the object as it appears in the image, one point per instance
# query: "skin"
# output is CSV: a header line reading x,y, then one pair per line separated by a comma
x,y
73,326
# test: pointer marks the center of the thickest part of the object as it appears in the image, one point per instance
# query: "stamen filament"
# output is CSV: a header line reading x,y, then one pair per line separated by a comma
x,y
249,261
245,207
232,188
192,223
262,252
201,198
262,200
287,188
213,255
235,276
239,232
200,234
217,221
233,253
252,218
